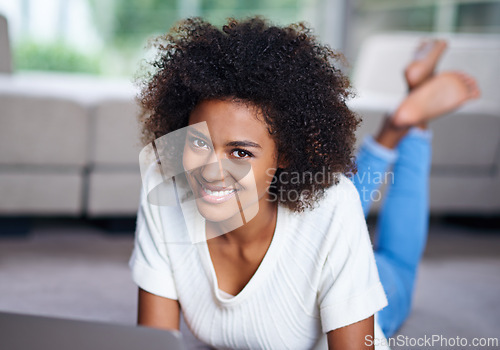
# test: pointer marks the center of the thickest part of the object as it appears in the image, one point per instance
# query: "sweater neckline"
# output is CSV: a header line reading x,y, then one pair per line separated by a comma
x,y
265,266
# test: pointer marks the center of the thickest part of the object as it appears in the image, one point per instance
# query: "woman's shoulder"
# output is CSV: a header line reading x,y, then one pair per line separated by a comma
x,y
338,209
342,194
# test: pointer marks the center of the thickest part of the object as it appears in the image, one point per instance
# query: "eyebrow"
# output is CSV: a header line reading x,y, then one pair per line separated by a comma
x,y
241,143
199,134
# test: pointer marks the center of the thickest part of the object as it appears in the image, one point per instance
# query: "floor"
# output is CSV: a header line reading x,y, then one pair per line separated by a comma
x,y
75,269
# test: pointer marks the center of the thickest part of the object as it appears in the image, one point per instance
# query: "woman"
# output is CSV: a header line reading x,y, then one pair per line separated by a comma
x,y
266,246
269,97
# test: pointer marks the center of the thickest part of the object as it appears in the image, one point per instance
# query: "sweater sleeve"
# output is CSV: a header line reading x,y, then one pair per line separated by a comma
x,y
350,288
149,262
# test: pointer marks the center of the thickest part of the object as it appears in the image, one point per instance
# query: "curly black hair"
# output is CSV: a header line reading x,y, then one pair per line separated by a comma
x,y
283,71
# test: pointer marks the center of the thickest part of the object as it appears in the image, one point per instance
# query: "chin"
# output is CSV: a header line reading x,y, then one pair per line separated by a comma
x,y
227,215
228,210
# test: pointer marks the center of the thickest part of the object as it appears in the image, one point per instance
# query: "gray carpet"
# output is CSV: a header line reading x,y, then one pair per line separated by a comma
x,y
77,271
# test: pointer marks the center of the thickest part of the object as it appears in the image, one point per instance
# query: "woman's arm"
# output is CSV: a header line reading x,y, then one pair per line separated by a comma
x,y
157,312
353,336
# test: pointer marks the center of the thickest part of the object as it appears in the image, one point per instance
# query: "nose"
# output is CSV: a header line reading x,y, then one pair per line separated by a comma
x,y
212,170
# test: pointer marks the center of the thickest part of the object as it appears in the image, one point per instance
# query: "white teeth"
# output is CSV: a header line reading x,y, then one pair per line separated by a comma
x,y
218,193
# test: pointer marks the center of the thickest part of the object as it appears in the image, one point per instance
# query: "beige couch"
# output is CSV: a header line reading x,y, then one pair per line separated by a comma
x,y
69,145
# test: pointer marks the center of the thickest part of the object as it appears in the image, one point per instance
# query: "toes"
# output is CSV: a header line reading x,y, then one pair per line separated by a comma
x,y
475,92
443,44
422,45
423,49
470,85
438,46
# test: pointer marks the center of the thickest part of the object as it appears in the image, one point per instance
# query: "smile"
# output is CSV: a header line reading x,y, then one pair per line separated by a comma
x,y
216,196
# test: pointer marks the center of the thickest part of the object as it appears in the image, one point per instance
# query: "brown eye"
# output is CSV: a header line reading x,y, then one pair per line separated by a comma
x,y
199,143
239,153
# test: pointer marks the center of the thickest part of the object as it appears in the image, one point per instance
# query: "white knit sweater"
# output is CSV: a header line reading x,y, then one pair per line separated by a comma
x,y
318,274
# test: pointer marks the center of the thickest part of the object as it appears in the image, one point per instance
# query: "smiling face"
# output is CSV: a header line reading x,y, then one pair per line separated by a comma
x,y
228,165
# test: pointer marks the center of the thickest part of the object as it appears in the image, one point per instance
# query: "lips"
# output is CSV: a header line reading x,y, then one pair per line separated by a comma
x,y
216,194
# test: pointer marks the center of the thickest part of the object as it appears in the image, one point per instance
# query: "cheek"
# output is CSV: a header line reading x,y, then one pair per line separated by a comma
x,y
264,174
190,159
186,159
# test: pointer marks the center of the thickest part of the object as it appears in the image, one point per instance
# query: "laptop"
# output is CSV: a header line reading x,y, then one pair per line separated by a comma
x,y
26,332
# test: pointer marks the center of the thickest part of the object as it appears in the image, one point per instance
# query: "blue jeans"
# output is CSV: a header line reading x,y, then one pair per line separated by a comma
x,y
404,217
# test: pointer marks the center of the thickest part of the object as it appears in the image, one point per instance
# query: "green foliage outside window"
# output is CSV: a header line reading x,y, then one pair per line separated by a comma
x,y
29,55
125,25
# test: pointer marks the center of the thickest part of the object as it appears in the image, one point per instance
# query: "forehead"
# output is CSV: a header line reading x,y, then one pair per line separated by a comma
x,y
231,120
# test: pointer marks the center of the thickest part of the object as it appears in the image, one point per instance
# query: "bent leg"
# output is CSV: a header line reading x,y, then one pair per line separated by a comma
x,y
375,156
403,226
373,161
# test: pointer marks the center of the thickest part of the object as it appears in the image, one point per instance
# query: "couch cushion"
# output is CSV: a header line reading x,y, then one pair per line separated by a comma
x,y
113,192
466,142
115,133
464,193
35,192
42,130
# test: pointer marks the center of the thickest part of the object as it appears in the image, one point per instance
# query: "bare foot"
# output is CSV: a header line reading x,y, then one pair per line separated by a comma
x,y
426,57
439,95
